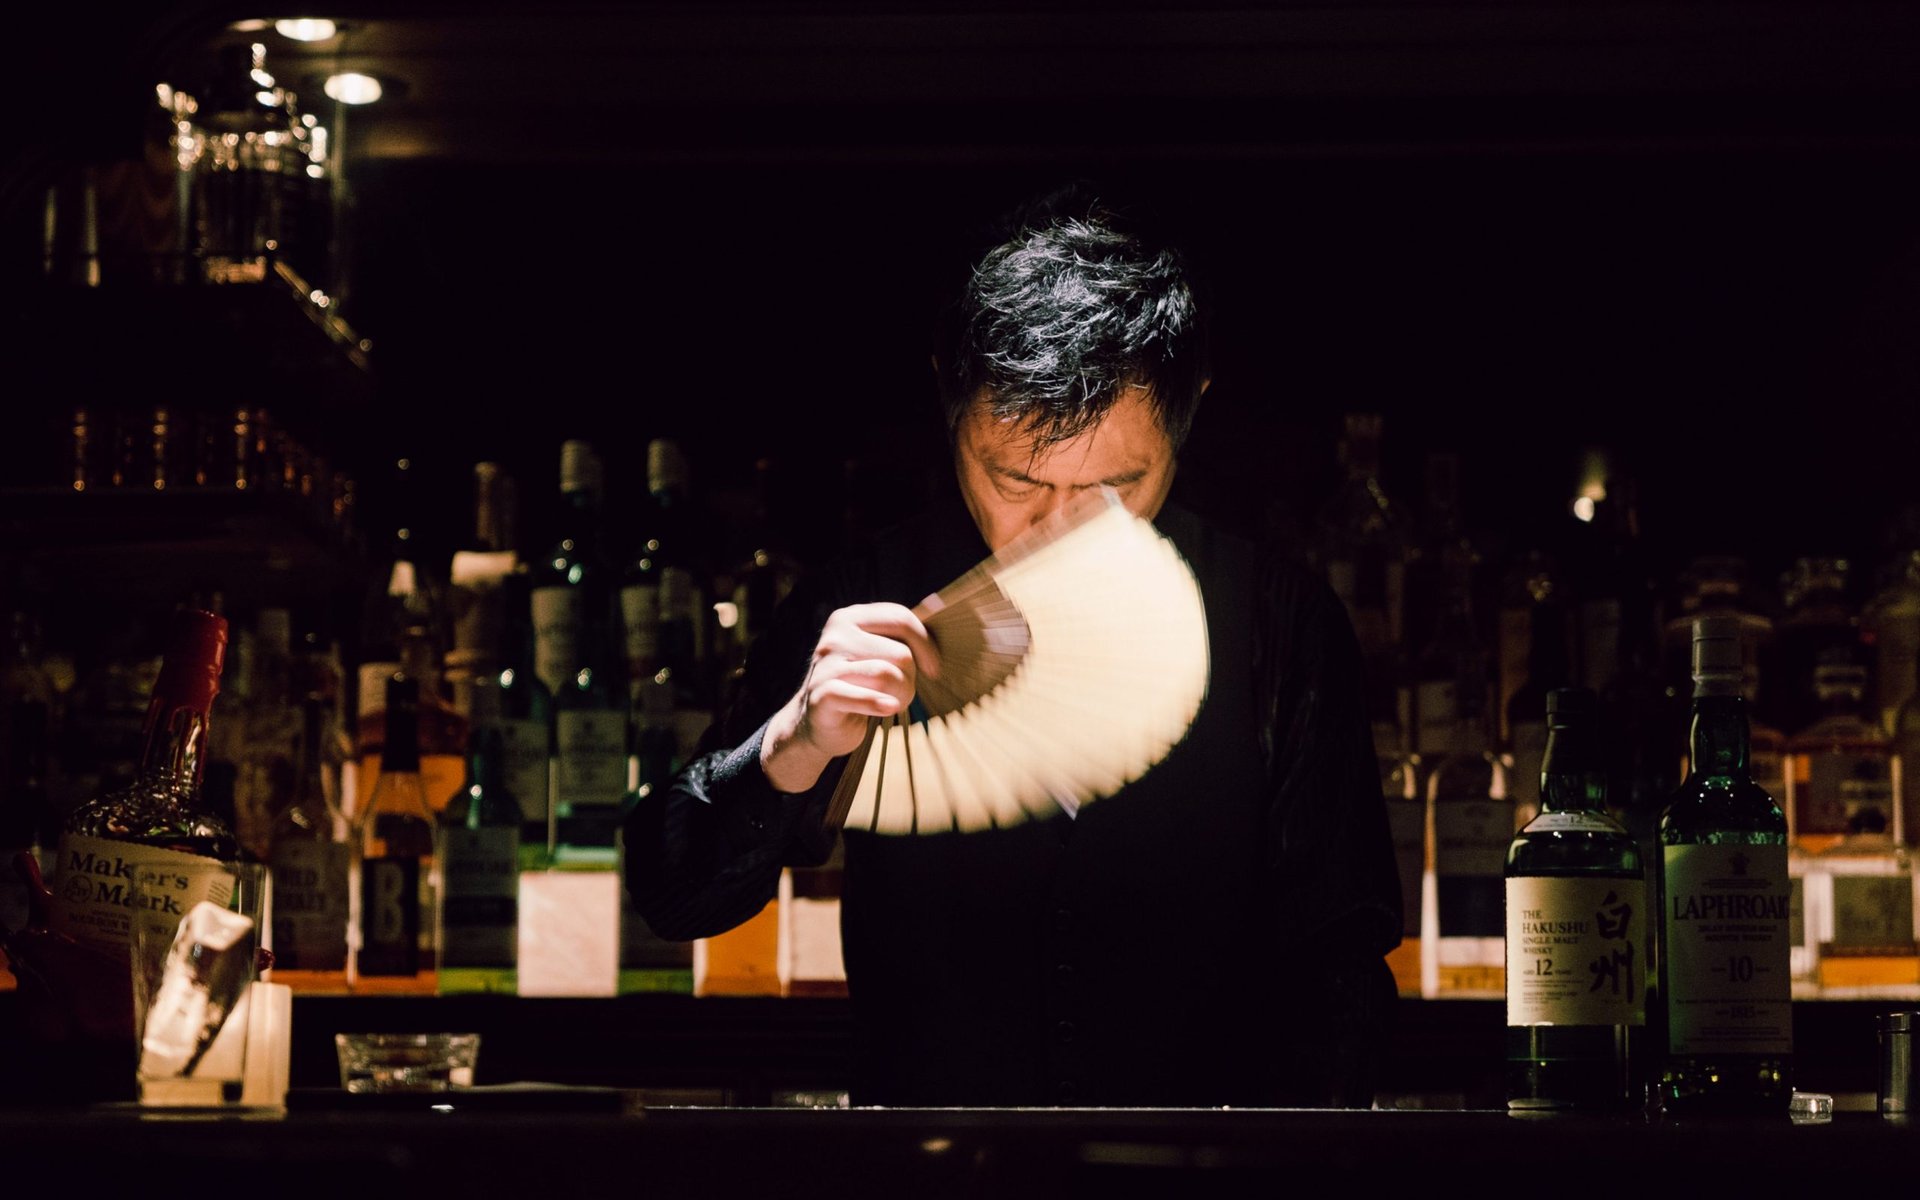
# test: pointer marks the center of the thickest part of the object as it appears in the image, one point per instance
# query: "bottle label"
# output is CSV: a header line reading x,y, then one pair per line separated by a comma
x,y
1470,840
480,916
1846,793
591,758
389,916
1725,914
310,905
524,746
556,635
1437,713
640,618
1576,951
94,893
1572,822
1872,914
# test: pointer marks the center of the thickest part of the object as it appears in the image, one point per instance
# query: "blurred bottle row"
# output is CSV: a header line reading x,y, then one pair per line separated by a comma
x,y
588,675
1461,648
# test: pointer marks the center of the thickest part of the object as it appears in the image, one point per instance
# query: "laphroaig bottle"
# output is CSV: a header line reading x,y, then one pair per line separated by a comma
x,y
395,869
1724,908
1577,927
480,876
514,702
158,819
569,588
311,857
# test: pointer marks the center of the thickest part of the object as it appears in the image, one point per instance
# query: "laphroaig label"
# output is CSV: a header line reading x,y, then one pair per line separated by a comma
x,y
94,891
556,635
527,763
480,917
1725,913
1576,951
592,757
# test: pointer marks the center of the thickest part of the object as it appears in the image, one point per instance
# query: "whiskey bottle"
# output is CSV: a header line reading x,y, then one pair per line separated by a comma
x,y
1469,809
1839,768
1725,983
1577,924
394,861
518,706
590,751
569,588
480,876
311,859
158,819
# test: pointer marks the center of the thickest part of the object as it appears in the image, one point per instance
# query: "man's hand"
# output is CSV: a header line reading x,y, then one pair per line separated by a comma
x,y
865,664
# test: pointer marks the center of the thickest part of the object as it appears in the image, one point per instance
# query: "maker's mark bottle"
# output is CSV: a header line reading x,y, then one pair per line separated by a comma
x,y
157,820
1725,896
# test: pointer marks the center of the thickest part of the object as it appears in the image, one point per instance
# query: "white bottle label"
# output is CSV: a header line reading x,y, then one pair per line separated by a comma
x,y
93,891
1437,714
1725,914
640,618
556,635
592,758
480,881
1576,951
526,764
310,905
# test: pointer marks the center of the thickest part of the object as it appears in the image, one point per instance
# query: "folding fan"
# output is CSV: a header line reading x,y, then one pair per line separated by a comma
x,y
1071,661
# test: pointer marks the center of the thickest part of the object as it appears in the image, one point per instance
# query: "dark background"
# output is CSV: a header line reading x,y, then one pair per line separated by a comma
x,y
1683,232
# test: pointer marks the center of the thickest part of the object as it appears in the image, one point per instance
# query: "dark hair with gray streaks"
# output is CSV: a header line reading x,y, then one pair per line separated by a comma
x,y
1078,302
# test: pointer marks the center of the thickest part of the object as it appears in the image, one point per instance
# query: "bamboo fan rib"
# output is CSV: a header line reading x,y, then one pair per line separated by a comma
x,y
1071,662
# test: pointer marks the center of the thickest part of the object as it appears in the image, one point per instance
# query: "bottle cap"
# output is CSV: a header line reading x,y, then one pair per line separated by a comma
x,y
579,467
666,466
196,650
1716,648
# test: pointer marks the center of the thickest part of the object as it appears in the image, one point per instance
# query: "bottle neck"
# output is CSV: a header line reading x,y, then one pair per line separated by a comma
x,y
400,751
1572,776
176,745
1719,739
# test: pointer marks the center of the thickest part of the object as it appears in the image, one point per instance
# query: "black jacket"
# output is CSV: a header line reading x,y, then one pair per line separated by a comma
x,y
1212,934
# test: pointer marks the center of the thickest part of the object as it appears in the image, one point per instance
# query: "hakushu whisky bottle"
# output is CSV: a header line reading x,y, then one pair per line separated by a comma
x,y
394,861
1577,924
480,875
1725,900
158,819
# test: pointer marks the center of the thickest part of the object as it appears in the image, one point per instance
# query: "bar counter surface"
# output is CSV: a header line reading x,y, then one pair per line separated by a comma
x,y
920,1153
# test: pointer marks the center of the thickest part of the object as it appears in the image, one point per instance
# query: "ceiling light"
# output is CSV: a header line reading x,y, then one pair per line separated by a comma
x,y
353,88
306,29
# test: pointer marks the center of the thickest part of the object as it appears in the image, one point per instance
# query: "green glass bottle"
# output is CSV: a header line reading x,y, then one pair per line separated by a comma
x,y
480,875
1725,972
1577,927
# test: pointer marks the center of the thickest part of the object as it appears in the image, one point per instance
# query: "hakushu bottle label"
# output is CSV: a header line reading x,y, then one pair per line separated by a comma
x,y
1725,911
480,918
1576,950
592,755
94,892
390,916
310,906
556,635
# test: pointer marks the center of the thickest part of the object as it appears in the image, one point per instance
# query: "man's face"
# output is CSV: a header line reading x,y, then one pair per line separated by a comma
x,y
1009,486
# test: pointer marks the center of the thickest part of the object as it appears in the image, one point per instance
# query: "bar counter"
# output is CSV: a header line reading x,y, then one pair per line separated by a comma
x,y
921,1153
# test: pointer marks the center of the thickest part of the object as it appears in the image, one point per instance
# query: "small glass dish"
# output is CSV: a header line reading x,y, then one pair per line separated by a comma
x,y
406,1062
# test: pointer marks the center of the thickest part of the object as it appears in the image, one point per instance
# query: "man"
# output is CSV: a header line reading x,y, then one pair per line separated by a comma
x,y
1213,933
